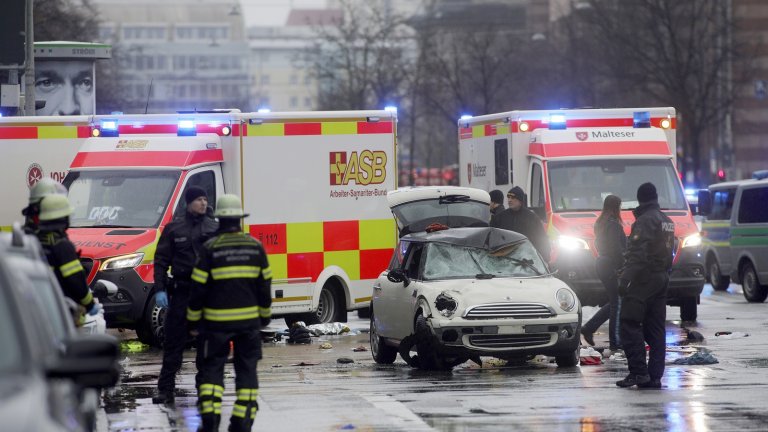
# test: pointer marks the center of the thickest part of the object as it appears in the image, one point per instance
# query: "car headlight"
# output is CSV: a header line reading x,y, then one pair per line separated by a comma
x,y
446,305
566,299
122,262
692,240
572,243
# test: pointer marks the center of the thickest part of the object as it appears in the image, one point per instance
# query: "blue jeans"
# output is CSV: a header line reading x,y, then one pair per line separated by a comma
x,y
606,271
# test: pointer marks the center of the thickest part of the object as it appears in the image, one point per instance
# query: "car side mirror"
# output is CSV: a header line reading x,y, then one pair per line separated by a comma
x,y
398,276
104,288
91,361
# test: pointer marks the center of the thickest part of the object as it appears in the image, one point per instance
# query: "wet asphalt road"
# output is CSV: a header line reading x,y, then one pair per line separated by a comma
x,y
304,388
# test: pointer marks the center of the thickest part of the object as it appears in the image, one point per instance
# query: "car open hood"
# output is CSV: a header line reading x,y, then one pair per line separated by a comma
x,y
416,208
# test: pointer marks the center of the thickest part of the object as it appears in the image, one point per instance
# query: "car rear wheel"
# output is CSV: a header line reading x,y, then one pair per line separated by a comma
x,y
381,352
754,292
718,281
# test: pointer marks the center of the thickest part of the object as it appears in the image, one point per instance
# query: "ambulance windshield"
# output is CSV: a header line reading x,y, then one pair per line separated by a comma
x,y
129,199
583,184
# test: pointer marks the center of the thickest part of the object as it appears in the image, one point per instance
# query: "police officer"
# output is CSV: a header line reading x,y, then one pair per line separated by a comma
x,y
643,285
178,247
60,252
31,213
231,295
518,217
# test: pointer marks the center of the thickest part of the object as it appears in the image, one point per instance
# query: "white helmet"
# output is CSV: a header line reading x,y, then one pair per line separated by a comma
x,y
54,207
45,186
229,206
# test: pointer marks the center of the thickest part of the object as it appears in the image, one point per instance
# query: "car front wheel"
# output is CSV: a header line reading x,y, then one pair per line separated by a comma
x,y
569,359
381,352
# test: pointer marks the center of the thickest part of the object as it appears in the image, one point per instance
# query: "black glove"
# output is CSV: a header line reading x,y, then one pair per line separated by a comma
x,y
623,287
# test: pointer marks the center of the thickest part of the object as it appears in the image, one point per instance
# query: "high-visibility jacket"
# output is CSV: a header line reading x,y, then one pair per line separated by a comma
x,y
65,263
231,284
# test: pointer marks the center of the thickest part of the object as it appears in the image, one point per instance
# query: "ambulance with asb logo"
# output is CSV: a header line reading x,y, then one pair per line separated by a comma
x,y
313,183
568,161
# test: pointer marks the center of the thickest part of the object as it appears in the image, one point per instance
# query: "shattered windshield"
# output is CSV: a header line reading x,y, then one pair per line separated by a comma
x,y
447,261
584,184
130,199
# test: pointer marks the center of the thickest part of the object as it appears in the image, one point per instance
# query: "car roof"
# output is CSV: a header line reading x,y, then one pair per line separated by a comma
x,y
488,238
737,183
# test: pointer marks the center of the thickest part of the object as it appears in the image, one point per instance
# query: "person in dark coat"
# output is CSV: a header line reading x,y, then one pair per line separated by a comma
x,y
610,241
497,201
518,217
643,286
178,248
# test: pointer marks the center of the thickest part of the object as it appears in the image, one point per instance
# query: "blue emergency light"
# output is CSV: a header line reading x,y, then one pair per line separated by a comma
x,y
264,110
641,119
465,117
391,108
108,128
187,128
556,121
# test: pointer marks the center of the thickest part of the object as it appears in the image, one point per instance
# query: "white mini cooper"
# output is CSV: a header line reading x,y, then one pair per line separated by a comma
x,y
457,289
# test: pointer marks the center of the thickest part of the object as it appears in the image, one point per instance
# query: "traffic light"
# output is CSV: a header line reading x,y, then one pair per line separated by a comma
x,y
721,174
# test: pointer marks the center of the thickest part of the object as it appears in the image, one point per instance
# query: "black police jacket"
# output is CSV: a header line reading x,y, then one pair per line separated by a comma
x,y
526,223
651,243
231,284
65,262
179,245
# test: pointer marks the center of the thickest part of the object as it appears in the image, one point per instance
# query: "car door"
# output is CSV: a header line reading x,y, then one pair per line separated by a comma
x,y
385,292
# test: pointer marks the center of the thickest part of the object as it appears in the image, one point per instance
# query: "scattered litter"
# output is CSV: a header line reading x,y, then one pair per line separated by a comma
x,y
618,356
590,356
731,335
541,359
299,333
679,349
729,318
699,358
334,328
359,349
694,336
305,364
348,427
494,362
277,365
133,346
344,360
326,345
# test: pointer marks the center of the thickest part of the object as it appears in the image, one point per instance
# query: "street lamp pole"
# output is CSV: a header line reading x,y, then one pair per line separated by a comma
x,y
29,70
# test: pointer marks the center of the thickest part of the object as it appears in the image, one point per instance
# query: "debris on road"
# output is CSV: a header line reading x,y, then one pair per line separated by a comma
x,y
699,358
730,335
589,356
344,360
304,363
326,345
133,346
360,348
334,328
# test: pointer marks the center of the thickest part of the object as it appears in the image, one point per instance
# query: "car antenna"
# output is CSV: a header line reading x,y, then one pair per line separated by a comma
x,y
149,94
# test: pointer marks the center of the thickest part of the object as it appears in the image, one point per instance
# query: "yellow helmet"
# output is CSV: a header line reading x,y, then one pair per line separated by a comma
x,y
45,186
229,206
54,207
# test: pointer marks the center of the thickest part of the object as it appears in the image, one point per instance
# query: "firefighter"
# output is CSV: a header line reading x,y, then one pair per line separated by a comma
x,y
643,286
61,253
231,295
178,247
31,213
518,217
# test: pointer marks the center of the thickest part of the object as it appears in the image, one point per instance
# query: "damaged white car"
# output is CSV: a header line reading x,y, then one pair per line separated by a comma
x,y
457,289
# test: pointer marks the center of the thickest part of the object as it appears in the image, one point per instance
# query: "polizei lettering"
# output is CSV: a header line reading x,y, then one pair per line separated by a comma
x,y
613,134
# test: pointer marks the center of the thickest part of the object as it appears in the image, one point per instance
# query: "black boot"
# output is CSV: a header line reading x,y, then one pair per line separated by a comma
x,y
634,380
164,397
652,384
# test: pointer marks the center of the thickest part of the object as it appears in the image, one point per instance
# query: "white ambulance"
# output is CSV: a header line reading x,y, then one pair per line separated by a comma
x,y
314,184
568,161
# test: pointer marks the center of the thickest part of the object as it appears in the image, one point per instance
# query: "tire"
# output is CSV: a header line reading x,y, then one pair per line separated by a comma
x,y
425,348
718,281
689,308
381,352
331,307
754,292
364,312
150,327
569,359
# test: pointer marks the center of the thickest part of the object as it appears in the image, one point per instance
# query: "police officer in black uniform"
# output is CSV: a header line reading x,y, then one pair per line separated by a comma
x,y
178,247
231,295
643,286
519,218
53,221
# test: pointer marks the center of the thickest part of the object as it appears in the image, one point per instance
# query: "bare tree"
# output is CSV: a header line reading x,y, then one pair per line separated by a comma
x,y
65,20
674,52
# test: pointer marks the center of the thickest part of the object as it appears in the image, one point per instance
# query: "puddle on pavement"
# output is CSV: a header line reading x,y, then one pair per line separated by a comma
x,y
757,363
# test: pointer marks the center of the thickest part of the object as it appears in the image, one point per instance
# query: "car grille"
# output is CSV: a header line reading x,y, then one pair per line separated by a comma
x,y
509,310
510,341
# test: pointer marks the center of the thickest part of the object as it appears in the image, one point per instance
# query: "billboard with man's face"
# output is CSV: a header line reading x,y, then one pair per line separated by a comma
x,y
66,86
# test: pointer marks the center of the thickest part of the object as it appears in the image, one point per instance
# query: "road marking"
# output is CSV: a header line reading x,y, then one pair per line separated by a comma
x,y
400,415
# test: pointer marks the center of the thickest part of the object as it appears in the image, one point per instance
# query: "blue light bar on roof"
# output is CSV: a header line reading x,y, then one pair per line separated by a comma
x,y
641,119
557,121
109,128
187,127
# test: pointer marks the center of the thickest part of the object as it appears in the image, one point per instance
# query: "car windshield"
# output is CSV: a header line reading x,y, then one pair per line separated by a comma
x,y
131,199
449,261
584,184
11,352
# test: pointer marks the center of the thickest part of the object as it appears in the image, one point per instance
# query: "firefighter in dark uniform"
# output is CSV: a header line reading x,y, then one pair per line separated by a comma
x,y
643,287
231,295
178,247
61,253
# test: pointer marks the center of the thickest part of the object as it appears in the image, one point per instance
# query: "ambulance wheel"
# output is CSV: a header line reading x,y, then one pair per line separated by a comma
x,y
331,307
150,328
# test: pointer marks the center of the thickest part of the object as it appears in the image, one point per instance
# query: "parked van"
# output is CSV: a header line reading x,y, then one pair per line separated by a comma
x,y
735,234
